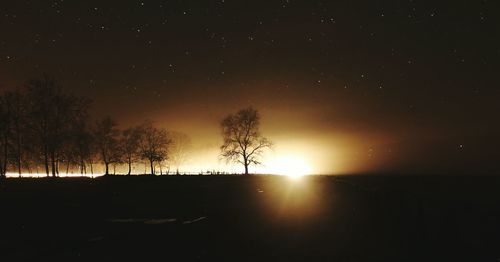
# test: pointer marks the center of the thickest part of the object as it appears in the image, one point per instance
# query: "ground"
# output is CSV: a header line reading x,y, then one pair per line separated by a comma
x,y
255,218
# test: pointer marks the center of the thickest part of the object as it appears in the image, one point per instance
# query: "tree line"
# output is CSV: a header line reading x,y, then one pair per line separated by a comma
x,y
44,129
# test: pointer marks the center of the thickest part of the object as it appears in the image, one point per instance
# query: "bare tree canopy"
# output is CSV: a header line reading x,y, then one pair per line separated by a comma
x,y
40,124
154,145
243,142
106,139
179,149
43,126
130,141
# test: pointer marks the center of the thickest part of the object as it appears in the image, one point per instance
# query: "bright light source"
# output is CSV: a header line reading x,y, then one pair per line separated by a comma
x,y
292,166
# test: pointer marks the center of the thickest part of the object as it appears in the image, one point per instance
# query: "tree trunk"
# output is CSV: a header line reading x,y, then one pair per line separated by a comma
x,y
245,162
4,164
129,166
19,154
152,167
18,137
53,163
107,168
19,162
46,160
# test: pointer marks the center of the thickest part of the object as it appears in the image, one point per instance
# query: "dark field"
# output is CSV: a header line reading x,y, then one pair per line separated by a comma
x,y
259,218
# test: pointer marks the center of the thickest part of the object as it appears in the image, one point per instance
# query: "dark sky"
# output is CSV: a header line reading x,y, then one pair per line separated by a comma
x,y
351,86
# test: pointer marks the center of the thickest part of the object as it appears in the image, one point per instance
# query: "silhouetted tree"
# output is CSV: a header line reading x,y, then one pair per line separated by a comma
x,y
130,141
41,95
154,145
4,136
181,144
94,154
117,156
80,137
16,107
80,146
52,115
106,140
243,142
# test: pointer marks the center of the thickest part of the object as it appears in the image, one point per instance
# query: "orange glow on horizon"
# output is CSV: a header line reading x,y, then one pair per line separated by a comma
x,y
288,165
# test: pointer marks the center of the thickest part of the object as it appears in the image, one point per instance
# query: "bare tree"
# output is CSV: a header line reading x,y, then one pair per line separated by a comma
x,y
130,141
106,140
81,145
16,107
4,136
94,154
37,126
117,156
179,149
243,142
41,94
154,145
52,115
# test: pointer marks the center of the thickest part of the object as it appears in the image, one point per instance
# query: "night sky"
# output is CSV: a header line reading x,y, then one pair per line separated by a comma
x,y
351,86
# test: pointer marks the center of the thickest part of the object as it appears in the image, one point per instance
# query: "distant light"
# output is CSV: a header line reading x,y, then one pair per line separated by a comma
x,y
290,165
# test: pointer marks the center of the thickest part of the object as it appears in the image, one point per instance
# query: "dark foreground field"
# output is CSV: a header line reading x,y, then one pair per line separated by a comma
x,y
260,218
